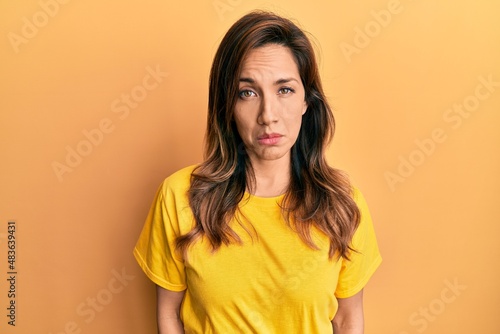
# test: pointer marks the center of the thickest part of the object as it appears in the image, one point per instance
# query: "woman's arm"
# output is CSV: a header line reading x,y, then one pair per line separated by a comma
x,y
168,311
349,318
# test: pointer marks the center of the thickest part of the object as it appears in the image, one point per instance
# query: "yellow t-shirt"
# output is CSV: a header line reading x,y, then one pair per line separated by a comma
x,y
272,283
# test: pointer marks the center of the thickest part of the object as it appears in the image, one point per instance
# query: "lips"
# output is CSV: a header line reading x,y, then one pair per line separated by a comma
x,y
269,138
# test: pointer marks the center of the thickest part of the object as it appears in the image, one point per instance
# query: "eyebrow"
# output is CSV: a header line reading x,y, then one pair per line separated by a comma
x,y
277,82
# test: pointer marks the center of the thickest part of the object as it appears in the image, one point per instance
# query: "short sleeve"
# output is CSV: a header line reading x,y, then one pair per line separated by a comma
x,y
155,249
355,272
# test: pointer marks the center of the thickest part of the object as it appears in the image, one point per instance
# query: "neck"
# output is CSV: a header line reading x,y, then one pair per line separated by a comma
x,y
271,178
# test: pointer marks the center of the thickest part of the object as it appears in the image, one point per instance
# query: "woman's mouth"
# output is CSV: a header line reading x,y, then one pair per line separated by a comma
x,y
269,138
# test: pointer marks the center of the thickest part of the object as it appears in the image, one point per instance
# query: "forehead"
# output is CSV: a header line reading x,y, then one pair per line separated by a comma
x,y
270,59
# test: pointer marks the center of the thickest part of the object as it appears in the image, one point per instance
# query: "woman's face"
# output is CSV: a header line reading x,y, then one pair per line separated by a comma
x,y
270,105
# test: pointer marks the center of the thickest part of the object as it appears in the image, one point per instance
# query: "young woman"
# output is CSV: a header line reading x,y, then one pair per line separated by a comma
x,y
263,236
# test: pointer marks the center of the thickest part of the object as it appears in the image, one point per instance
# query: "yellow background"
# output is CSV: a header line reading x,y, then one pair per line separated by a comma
x,y
391,69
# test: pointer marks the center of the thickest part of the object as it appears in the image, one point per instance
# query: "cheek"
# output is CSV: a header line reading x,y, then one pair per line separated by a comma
x,y
296,125
295,121
242,125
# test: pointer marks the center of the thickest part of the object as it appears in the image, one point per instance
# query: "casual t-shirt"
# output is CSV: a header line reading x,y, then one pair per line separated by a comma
x,y
271,283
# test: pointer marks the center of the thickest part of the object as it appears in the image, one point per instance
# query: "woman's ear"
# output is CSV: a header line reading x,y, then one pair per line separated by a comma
x,y
304,109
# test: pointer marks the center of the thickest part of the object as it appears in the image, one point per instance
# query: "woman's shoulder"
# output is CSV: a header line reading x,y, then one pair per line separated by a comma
x,y
358,198
178,181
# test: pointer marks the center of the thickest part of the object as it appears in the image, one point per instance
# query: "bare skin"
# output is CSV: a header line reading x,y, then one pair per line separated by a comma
x,y
268,115
168,311
349,318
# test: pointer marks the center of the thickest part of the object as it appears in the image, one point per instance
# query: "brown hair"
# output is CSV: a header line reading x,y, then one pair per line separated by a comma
x,y
318,195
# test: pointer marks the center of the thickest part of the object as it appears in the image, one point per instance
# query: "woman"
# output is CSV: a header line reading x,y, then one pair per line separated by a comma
x,y
263,236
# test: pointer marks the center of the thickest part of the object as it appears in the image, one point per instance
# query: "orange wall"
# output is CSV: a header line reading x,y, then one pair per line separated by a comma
x,y
124,85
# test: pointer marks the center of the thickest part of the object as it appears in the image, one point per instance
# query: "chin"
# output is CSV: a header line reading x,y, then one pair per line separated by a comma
x,y
270,156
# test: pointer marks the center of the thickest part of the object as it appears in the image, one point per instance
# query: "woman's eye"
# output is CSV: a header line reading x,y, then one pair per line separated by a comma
x,y
247,93
285,90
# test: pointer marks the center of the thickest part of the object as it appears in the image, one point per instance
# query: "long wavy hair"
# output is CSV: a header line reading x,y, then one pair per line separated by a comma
x,y
317,195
